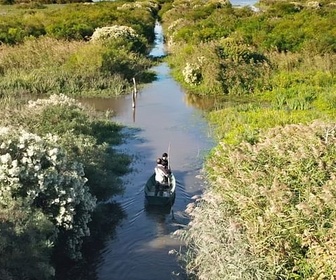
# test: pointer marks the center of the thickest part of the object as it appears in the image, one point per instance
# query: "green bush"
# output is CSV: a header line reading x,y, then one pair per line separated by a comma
x,y
81,148
252,47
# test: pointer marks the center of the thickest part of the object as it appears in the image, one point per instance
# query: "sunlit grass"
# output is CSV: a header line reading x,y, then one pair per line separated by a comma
x,y
270,210
48,66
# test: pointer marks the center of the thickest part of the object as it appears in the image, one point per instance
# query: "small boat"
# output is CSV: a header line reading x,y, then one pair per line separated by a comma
x,y
165,196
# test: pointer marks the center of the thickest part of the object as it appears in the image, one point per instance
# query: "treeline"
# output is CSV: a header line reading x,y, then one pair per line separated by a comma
x,y
268,212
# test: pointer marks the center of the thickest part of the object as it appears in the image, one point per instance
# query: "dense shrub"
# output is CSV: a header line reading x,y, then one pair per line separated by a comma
x,y
74,68
51,179
270,212
246,42
76,21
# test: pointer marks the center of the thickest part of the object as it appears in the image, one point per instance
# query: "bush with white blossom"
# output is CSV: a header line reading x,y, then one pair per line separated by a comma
x,y
192,73
118,38
102,34
54,100
151,6
37,171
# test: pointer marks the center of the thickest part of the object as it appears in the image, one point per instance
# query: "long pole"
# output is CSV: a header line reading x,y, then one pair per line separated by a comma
x,y
168,156
171,205
168,164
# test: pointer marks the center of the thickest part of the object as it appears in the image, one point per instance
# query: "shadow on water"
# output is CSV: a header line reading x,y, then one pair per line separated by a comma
x,y
105,220
157,210
139,247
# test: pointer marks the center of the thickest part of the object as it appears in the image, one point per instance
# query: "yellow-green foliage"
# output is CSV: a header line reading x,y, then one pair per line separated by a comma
x,y
52,53
37,53
75,21
45,66
251,51
270,210
244,122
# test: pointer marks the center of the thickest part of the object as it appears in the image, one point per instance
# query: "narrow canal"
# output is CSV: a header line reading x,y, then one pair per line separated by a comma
x,y
163,121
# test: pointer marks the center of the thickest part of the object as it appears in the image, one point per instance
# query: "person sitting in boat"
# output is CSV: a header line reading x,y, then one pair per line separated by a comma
x,y
161,176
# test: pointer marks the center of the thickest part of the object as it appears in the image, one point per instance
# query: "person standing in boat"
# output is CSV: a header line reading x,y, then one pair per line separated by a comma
x,y
161,175
165,162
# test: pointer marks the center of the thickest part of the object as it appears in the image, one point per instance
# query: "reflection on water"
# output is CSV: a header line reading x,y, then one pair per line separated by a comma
x,y
163,118
119,104
114,104
103,226
204,103
159,48
243,2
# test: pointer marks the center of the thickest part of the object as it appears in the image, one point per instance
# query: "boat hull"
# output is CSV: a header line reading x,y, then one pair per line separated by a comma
x,y
165,196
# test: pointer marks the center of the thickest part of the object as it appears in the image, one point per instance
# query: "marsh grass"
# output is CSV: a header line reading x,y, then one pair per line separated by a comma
x,y
233,124
270,211
48,66
217,247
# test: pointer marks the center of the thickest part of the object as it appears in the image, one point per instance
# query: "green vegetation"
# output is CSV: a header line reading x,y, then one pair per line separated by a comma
x,y
52,153
268,212
59,168
51,51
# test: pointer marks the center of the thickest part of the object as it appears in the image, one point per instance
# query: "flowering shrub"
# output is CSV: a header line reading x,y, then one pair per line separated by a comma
x,y
151,6
37,171
192,73
121,43
106,33
54,100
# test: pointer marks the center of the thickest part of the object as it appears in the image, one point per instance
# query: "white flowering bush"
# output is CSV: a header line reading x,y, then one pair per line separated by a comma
x,y
106,33
120,38
53,100
192,73
37,171
151,6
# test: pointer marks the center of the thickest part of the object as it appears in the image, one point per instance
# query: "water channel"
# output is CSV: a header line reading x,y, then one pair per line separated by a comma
x,y
163,121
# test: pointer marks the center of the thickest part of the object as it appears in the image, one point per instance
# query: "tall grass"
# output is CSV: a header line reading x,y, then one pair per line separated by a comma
x,y
48,66
270,212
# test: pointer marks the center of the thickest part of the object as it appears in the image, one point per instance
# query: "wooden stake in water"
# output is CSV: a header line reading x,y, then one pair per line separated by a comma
x,y
135,91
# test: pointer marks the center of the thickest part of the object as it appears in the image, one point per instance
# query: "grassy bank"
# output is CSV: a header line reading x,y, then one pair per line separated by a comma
x,y
57,158
268,211
56,49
